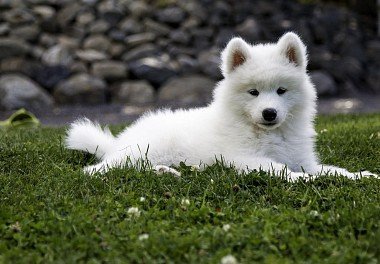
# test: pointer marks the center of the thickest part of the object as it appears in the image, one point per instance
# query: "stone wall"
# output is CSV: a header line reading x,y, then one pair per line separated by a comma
x,y
139,52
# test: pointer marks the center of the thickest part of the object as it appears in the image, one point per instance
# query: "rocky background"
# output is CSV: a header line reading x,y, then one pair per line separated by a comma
x,y
138,52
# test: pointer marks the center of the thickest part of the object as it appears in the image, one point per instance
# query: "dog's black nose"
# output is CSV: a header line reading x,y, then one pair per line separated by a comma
x,y
269,114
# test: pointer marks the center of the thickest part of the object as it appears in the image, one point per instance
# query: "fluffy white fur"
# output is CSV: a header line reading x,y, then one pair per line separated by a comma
x,y
232,126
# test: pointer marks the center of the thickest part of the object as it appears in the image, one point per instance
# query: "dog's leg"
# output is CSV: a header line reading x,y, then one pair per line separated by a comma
x,y
243,163
270,166
161,169
333,170
105,165
101,168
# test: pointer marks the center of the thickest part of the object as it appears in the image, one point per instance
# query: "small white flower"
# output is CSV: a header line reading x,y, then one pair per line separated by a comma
x,y
323,131
195,168
374,135
16,227
134,211
143,237
229,259
142,199
185,202
226,227
212,181
314,213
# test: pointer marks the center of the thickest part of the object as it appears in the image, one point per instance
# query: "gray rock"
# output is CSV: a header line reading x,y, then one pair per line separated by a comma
x,y
57,55
187,64
351,46
202,38
139,52
320,58
78,67
111,12
180,36
76,32
44,12
12,64
347,68
220,14
373,51
134,92
117,50
138,39
90,2
4,28
91,55
116,35
354,69
10,47
97,42
130,26
81,89
99,27
324,83
37,52
19,16
27,32
17,91
204,33
192,89
139,9
25,66
67,14
113,17
195,9
348,88
224,36
50,76
68,42
85,18
209,61
249,30
154,69
191,23
47,40
7,3
110,70
176,50
156,28
171,15
163,43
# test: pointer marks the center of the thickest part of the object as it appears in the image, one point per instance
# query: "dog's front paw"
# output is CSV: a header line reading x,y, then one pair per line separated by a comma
x,y
327,170
366,174
161,169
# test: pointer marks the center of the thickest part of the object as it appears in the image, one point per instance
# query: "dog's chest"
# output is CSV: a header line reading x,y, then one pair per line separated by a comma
x,y
274,146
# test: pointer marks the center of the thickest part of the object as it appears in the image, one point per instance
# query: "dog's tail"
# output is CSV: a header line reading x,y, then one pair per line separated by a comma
x,y
88,136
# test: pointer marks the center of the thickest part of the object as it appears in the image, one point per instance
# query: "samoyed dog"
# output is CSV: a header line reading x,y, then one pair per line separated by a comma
x,y
261,118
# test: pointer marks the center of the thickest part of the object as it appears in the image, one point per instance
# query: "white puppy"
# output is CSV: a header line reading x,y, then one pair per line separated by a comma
x,y
261,117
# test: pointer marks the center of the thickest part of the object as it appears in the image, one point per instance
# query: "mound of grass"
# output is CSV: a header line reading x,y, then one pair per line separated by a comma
x,y
51,212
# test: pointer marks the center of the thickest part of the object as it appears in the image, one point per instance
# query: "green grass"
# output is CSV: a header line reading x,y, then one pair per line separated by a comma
x,y
51,212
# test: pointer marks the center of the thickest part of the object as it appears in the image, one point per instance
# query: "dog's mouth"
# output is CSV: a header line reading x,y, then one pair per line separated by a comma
x,y
269,124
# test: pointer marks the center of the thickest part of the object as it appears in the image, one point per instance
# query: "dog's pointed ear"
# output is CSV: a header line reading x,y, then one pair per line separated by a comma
x,y
292,47
234,55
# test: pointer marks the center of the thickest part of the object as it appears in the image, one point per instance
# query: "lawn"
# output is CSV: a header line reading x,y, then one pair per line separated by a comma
x,y
51,212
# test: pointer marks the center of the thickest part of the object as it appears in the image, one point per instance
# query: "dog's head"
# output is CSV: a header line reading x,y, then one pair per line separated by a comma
x,y
268,84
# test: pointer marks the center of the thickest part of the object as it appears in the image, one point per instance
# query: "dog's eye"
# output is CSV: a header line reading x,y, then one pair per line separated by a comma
x,y
281,90
254,92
